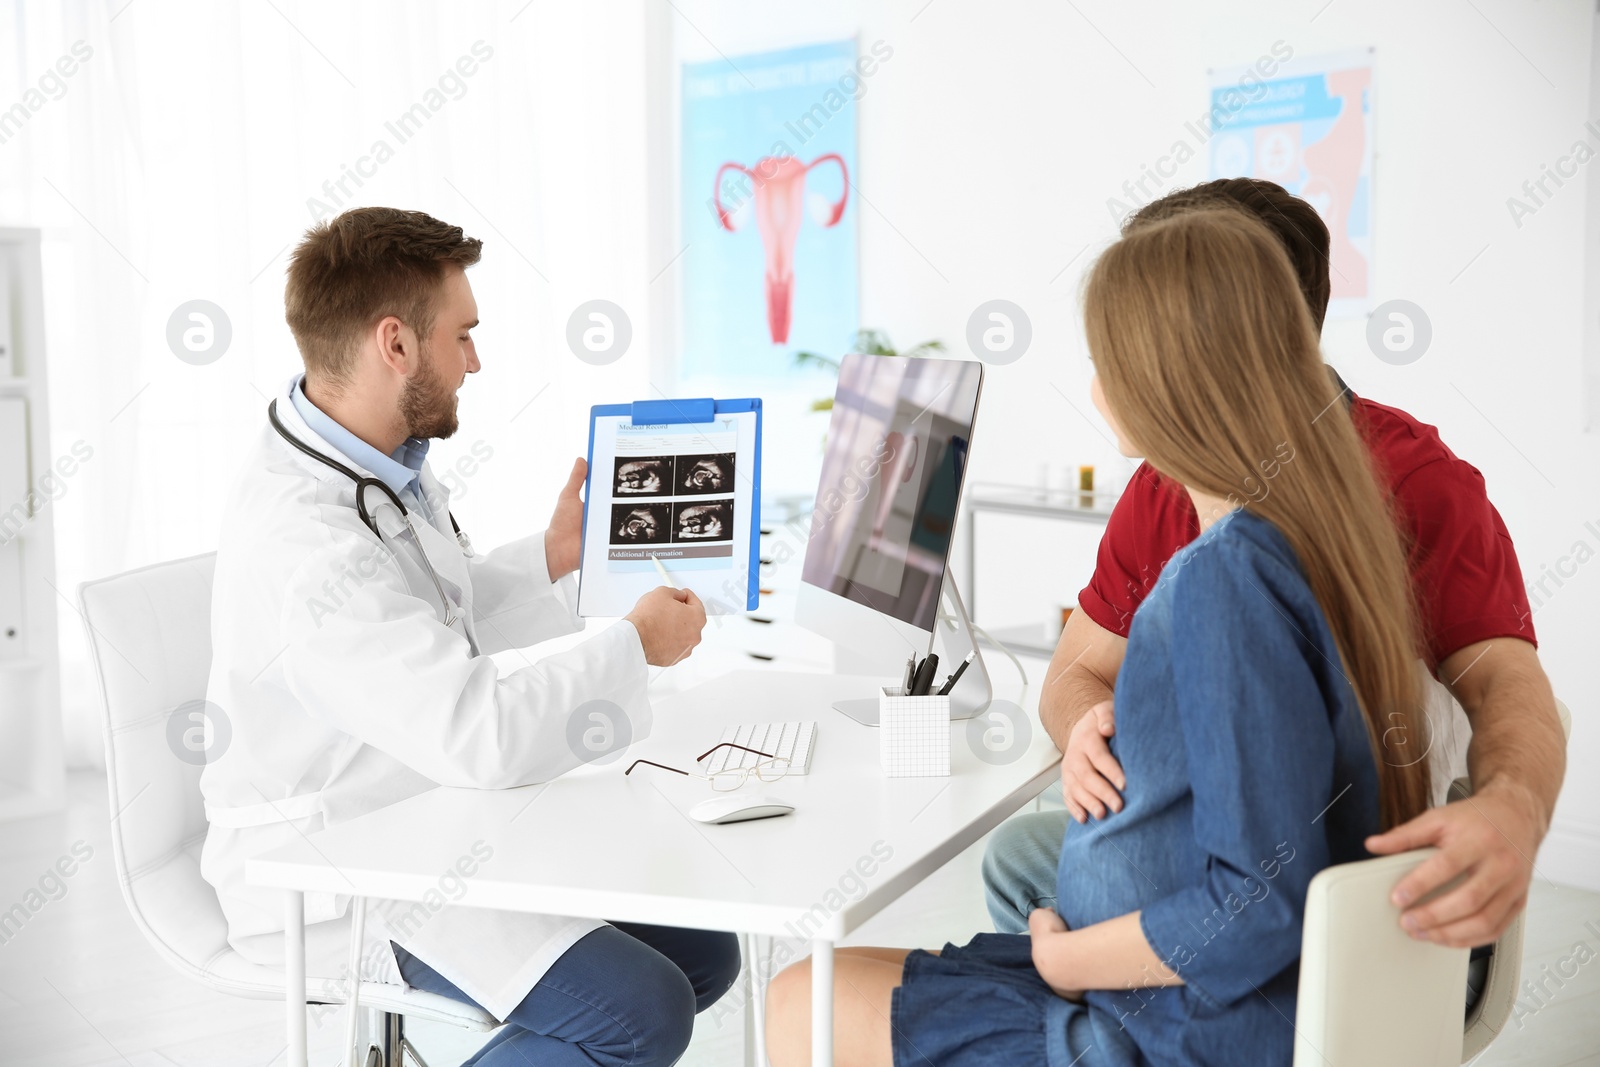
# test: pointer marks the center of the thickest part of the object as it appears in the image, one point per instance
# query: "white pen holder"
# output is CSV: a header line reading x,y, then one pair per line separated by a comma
x,y
913,735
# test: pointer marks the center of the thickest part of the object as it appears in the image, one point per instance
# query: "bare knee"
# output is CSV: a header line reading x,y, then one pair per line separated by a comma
x,y
789,1016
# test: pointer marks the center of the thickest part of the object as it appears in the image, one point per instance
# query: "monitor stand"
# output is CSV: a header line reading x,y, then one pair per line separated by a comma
x,y
952,639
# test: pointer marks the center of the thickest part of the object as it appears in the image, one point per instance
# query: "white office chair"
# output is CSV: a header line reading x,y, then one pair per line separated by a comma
x,y
1371,996
150,637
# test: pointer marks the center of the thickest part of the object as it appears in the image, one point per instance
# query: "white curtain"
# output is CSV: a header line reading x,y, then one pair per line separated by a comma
x,y
195,144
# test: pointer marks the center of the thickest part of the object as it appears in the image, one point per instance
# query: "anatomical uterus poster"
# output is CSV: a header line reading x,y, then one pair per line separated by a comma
x,y
769,208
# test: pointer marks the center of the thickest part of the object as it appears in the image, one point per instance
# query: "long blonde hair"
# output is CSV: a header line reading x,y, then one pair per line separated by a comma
x,y
1208,358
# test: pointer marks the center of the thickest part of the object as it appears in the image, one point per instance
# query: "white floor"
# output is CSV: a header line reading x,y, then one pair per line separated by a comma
x,y
79,986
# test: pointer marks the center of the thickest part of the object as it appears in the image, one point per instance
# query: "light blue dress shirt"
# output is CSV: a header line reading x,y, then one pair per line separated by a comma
x,y
398,470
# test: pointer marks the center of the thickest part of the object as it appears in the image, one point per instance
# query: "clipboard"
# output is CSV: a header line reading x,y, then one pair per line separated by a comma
x,y
674,482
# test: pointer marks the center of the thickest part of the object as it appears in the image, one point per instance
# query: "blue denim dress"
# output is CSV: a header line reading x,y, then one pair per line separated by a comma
x,y
1249,770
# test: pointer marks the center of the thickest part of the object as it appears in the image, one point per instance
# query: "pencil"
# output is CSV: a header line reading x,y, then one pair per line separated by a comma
x,y
661,569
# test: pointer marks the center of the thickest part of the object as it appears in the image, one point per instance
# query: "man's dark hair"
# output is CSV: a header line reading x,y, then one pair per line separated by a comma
x,y
367,263
1296,224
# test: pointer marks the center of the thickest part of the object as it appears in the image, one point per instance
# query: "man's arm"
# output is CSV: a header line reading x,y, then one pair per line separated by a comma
x,y
1083,672
1082,675
1517,739
1517,760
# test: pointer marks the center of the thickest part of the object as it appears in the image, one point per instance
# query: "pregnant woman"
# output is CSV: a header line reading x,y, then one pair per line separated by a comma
x,y
1269,711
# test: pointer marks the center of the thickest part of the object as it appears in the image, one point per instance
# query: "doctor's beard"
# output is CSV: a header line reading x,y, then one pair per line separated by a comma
x,y
427,403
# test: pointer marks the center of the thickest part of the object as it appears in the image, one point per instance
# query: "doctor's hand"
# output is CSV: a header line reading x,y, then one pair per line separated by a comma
x,y
669,622
563,540
1090,774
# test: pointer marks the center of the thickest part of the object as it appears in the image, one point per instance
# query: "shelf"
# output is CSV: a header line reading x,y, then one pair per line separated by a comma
x,y
20,665
14,386
1048,503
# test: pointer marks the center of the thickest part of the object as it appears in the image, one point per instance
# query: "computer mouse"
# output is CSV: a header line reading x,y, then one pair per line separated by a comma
x,y
738,807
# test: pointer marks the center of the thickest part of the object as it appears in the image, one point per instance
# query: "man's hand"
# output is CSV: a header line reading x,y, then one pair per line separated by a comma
x,y
1491,838
669,622
1090,775
1049,933
563,540
1517,760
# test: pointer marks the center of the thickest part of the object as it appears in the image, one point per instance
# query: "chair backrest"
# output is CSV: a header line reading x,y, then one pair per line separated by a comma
x,y
150,637
1489,1015
1370,995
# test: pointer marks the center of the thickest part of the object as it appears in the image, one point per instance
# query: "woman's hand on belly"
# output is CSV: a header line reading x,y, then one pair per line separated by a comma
x,y
1050,936
1107,955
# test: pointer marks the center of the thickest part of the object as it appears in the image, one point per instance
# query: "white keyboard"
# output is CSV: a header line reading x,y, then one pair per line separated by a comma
x,y
783,740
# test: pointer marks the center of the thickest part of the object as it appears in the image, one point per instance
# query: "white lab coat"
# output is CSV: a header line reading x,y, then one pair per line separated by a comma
x,y
345,692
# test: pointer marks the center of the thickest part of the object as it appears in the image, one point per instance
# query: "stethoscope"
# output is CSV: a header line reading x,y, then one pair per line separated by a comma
x,y
362,485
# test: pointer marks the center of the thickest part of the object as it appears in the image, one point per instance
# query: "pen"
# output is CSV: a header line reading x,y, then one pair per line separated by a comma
x,y
923,682
950,682
911,674
661,569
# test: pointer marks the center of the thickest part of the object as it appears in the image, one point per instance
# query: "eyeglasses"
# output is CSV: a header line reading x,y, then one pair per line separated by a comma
x,y
769,769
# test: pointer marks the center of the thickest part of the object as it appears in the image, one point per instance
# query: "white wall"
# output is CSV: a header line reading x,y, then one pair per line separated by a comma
x,y
993,138
178,162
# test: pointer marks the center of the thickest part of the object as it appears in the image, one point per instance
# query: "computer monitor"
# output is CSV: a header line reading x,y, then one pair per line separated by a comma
x,y
878,553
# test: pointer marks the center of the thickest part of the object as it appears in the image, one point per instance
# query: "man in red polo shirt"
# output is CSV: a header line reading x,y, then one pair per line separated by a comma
x,y
1478,636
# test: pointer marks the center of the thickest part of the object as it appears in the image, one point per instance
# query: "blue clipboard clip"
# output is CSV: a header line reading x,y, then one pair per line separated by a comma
x,y
669,412
699,410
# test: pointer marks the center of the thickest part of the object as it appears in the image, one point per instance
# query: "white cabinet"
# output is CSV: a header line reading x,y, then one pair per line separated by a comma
x,y
7,345
15,514
31,773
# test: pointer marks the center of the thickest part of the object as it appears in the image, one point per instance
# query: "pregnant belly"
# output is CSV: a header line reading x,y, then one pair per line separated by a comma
x,y
1113,866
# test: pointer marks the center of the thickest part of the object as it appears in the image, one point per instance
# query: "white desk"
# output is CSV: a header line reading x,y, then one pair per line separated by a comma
x,y
630,852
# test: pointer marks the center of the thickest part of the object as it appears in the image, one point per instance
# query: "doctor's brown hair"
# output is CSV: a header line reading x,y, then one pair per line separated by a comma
x,y
1293,221
362,266
1209,361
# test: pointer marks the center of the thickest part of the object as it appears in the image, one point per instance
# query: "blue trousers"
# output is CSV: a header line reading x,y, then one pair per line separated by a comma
x,y
1019,865
624,995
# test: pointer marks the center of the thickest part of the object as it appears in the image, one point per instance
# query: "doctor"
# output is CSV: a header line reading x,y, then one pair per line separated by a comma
x,y
351,639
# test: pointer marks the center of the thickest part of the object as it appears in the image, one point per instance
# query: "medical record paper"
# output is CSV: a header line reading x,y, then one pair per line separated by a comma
x,y
683,493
